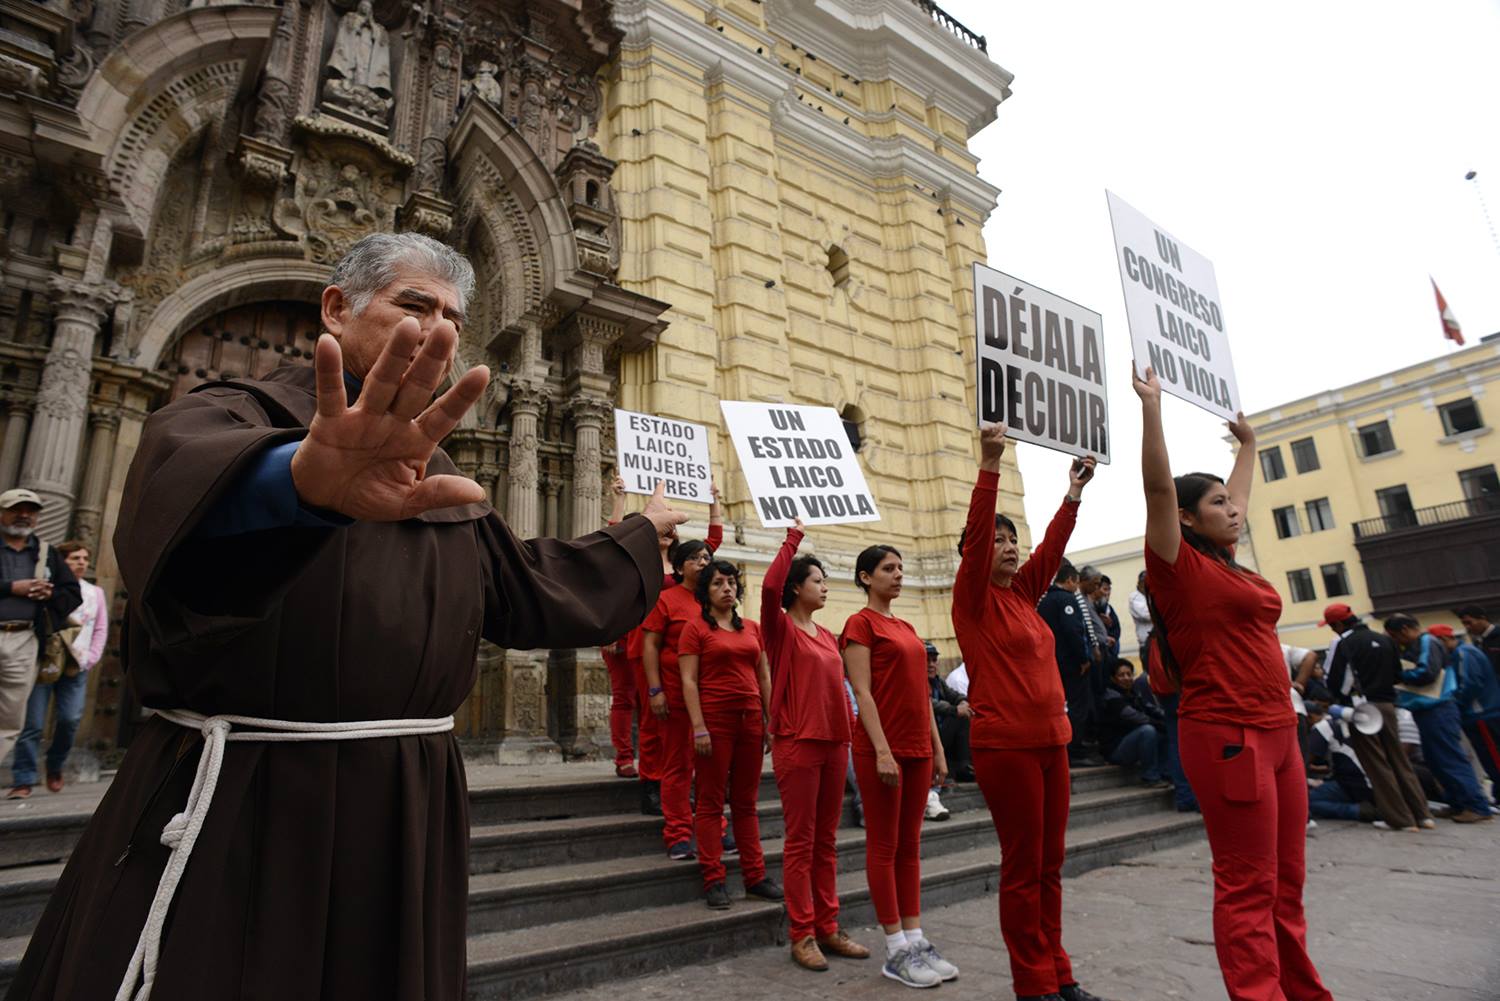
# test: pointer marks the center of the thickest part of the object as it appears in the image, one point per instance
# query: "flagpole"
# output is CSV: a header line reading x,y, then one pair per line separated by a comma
x,y
1484,208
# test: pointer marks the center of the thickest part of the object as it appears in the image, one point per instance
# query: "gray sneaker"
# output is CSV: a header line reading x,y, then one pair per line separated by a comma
x,y
907,967
935,960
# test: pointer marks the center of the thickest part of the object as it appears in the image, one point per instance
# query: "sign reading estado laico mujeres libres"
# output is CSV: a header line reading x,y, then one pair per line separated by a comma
x,y
798,463
1040,366
651,449
1172,303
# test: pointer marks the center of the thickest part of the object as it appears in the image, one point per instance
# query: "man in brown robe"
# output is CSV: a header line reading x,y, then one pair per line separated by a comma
x,y
294,556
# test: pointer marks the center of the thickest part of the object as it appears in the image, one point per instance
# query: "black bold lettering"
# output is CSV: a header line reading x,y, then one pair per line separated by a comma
x,y
1093,365
1034,414
991,391
995,334
787,420
1067,412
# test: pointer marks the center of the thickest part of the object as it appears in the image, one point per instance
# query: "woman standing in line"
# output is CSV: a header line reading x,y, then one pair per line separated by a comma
x,y
1216,638
1020,732
898,757
726,686
809,750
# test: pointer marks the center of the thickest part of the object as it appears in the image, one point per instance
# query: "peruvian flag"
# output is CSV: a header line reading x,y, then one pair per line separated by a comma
x,y
1451,329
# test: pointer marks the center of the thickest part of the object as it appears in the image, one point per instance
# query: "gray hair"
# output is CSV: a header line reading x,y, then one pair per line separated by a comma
x,y
372,263
1089,573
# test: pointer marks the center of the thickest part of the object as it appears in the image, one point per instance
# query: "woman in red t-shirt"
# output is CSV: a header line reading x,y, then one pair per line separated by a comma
x,y
1020,730
1215,632
726,686
897,759
809,717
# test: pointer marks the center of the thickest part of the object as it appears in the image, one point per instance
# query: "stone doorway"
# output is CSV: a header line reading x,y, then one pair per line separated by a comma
x,y
240,343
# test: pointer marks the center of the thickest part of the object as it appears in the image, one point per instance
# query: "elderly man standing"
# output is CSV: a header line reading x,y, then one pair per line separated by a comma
x,y
36,595
310,579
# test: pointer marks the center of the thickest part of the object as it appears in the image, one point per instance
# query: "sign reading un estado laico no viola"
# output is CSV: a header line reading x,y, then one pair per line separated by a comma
x,y
1172,303
798,463
651,449
1040,366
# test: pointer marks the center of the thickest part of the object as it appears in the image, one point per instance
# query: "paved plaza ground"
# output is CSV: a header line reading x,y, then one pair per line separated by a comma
x,y
1395,917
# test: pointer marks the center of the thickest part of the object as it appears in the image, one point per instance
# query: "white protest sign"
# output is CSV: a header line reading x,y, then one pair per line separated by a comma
x,y
1040,366
799,464
651,449
1172,302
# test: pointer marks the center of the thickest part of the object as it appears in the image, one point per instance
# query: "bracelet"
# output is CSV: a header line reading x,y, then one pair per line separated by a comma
x,y
653,692
700,733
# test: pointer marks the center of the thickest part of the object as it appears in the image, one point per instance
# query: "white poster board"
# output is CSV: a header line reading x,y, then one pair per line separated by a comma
x,y
1039,366
1172,303
650,449
798,463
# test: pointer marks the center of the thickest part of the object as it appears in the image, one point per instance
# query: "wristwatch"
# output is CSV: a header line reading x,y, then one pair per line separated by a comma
x,y
654,691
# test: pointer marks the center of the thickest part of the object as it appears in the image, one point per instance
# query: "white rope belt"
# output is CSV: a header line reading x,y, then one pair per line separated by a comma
x,y
182,830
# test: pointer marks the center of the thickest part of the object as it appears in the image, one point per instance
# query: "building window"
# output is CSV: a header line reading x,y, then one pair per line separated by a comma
x,y
1395,506
854,422
1305,455
1460,416
1286,522
1375,439
1335,579
1271,466
1482,486
838,265
1319,515
1301,584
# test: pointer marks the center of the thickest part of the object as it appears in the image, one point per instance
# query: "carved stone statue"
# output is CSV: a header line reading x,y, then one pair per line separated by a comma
x,y
359,68
485,86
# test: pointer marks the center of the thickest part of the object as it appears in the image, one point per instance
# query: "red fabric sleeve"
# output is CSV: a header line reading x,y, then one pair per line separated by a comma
x,y
973,575
1040,569
714,539
656,622
857,630
691,640
771,614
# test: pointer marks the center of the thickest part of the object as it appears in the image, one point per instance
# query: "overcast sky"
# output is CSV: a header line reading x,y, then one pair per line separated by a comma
x,y
1314,151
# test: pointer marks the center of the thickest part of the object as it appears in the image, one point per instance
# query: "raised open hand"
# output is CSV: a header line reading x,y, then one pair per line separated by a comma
x,y
1147,387
369,461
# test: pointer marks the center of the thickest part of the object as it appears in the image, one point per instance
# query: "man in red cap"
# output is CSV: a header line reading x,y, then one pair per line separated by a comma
x,y
1367,663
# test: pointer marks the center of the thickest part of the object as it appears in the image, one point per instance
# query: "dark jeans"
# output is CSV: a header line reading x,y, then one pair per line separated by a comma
x,y
1078,690
1484,735
69,693
1183,795
1444,754
953,731
1329,802
1145,747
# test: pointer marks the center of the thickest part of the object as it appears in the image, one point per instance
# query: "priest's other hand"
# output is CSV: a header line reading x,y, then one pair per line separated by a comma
x,y
661,515
369,461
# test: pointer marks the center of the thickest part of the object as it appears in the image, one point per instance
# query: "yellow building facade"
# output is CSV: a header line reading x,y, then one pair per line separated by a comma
x,y
1383,494
794,179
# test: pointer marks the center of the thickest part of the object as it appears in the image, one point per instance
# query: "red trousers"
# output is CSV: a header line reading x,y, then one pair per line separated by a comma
x,y
738,744
1027,791
1255,808
810,777
893,836
622,703
676,773
649,767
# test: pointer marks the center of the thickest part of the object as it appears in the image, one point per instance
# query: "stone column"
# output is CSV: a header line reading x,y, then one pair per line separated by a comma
x,y
522,509
51,462
104,424
589,414
18,420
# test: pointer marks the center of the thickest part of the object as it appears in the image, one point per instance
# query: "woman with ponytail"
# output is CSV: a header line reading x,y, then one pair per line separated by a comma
x,y
1215,639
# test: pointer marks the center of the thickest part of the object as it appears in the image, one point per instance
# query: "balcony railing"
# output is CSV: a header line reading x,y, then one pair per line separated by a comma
x,y
946,20
1424,517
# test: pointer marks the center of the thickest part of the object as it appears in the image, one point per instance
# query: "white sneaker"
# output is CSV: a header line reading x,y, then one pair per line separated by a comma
x,y
907,967
934,959
1312,825
935,808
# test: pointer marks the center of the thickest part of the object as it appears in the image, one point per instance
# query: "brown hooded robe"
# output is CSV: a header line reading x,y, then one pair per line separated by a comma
x,y
324,870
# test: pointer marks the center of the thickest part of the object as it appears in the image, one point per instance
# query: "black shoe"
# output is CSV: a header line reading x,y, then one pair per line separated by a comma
x,y
717,897
730,848
964,775
766,889
650,798
1072,992
682,851
1038,997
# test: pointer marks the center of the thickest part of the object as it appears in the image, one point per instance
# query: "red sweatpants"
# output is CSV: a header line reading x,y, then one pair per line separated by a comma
x,y
1027,791
1255,808
649,766
733,767
676,771
621,706
893,836
810,777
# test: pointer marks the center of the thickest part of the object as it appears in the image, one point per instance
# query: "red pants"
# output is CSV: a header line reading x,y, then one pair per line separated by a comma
x,y
676,772
1255,808
1027,792
621,706
810,777
733,767
893,836
649,767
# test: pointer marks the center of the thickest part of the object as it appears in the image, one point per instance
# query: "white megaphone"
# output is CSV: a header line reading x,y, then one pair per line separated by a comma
x,y
1365,718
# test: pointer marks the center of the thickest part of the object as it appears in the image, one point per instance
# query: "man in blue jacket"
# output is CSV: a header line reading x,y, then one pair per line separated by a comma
x,y
1427,689
1478,697
1060,609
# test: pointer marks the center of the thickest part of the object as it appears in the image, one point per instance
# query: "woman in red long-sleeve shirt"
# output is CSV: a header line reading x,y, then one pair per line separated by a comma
x,y
809,750
1020,730
1215,633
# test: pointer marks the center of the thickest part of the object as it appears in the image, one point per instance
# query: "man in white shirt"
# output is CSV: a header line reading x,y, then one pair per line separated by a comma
x,y
958,679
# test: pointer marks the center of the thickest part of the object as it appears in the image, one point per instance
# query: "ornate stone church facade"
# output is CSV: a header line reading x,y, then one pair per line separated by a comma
x,y
655,215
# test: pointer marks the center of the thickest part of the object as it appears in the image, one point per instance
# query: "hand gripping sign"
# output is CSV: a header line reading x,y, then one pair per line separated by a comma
x,y
1172,302
650,449
798,463
1040,366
